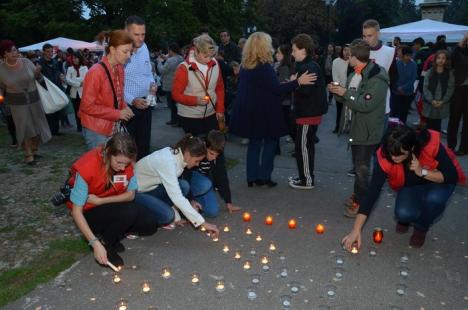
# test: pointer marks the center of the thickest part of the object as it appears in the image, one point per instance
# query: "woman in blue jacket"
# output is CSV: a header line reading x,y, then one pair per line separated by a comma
x,y
257,113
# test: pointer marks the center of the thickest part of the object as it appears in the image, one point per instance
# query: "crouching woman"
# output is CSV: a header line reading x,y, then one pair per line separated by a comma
x,y
422,171
101,200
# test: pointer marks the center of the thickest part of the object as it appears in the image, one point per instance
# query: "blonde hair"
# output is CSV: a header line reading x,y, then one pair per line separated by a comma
x,y
257,50
204,44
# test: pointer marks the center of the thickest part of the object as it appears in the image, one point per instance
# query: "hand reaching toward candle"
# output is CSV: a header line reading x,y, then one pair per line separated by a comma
x,y
196,205
352,238
100,253
211,229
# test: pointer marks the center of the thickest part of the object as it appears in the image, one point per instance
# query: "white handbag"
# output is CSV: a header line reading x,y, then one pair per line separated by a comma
x,y
53,98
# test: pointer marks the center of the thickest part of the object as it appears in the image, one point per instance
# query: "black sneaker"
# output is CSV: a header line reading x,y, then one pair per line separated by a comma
x,y
351,173
115,258
298,184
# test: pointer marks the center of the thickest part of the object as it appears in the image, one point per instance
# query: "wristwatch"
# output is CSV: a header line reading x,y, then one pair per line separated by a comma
x,y
424,172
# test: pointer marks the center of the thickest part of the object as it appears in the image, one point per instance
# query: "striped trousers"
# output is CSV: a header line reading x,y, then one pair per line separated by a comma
x,y
305,152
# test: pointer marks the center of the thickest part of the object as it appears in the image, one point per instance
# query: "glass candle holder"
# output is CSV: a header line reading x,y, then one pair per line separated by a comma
x,y
283,272
247,265
286,301
251,293
404,272
294,287
122,304
401,289
145,287
320,229
166,272
330,291
269,220
258,238
255,279
220,286
338,276
226,228
237,255
246,217
372,252
116,279
272,247
339,260
248,231
195,279
225,249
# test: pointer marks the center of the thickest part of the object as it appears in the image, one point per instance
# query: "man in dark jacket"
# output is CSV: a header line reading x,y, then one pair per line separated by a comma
x,y
230,49
365,95
310,103
459,106
50,69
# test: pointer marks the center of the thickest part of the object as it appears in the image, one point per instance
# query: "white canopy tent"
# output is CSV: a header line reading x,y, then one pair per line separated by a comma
x,y
63,44
427,29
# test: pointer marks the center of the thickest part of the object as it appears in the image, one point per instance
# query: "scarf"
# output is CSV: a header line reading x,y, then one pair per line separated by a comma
x,y
77,69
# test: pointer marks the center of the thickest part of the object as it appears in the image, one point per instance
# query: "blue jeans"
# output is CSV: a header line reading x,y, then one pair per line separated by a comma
x,y
159,203
422,204
203,192
93,139
260,167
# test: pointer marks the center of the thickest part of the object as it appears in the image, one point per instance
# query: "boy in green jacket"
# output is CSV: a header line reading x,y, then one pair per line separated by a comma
x,y
365,95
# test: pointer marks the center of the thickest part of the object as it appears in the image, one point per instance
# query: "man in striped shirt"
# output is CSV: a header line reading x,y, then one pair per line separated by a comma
x,y
138,79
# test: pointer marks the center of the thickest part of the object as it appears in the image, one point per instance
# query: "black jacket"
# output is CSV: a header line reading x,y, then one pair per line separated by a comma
x,y
231,52
310,100
50,69
216,171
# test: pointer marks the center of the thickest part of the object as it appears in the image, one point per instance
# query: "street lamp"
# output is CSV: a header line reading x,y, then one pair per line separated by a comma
x,y
328,3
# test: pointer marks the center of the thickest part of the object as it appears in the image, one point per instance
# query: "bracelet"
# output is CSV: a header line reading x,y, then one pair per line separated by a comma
x,y
93,241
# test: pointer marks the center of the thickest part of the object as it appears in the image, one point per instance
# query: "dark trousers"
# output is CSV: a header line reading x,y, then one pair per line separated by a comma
x,y
112,221
458,111
400,105
260,158
76,106
11,129
422,204
305,152
199,126
362,155
172,105
139,128
53,120
434,124
339,109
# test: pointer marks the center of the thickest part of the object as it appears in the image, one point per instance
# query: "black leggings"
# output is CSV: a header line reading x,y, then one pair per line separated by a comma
x,y
112,221
11,129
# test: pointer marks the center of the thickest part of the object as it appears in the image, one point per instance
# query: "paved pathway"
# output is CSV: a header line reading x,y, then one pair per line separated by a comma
x,y
320,275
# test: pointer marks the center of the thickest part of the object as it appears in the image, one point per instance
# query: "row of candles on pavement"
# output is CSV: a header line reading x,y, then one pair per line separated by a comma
x,y
220,285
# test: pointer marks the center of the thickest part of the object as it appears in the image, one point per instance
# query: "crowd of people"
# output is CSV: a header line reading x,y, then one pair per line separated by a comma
x,y
119,187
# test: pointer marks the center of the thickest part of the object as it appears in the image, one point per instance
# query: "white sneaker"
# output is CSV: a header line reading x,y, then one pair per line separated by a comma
x,y
298,184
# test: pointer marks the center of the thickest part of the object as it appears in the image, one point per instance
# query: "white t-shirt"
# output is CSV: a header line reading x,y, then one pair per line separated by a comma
x,y
384,57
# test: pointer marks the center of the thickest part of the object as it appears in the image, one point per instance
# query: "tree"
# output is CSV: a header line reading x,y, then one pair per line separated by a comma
x,y
27,22
457,12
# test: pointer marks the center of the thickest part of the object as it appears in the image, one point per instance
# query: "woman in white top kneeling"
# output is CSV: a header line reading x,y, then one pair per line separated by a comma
x,y
159,186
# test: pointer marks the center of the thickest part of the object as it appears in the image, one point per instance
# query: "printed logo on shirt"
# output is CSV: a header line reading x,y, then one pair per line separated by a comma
x,y
368,96
120,178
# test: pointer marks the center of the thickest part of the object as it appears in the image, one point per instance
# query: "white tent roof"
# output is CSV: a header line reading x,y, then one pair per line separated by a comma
x,y
427,29
63,44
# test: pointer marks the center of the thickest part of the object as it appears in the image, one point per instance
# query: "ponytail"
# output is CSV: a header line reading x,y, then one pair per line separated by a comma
x,y
194,145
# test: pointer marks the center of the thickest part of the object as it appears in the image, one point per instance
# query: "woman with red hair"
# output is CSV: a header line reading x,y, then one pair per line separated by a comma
x,y
17,85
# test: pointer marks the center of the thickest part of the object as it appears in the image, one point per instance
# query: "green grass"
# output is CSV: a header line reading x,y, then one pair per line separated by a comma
x,y
20,281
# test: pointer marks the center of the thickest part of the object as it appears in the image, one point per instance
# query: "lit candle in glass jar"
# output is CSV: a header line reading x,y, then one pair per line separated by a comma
x,y
226,249
145,287
292,223
215,239
122,304
354,249
195,278
247,265
246,217
264,260
220,286
226,228
166,273
202,228
237,255
272,247
378,235
319,229
248,231
269,220
206,97
258,238
117,279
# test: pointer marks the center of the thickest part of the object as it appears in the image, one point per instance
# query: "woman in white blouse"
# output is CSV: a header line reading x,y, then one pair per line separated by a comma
x,y
340,74
75,77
